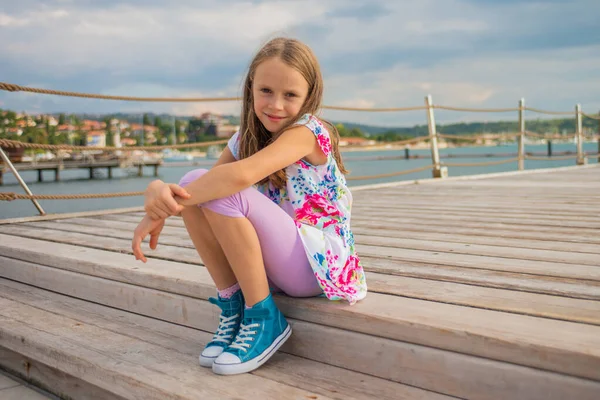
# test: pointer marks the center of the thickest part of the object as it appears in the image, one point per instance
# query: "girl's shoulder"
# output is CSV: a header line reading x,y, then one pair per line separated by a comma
x,y
319,129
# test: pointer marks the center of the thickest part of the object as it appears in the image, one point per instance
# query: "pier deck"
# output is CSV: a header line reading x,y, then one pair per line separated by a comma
x,y
57,166
485,288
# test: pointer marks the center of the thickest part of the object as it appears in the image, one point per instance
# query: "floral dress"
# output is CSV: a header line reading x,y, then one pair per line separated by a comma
x,y
317,197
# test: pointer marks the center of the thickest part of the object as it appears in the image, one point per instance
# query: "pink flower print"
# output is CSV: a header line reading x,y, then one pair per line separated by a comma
x,y
325,144
303,164
350,271
315,206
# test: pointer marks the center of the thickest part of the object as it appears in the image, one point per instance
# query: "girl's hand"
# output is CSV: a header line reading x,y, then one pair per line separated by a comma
x,y
145,227
160,202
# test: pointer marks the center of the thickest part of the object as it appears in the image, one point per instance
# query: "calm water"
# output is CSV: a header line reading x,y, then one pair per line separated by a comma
x,y
76,182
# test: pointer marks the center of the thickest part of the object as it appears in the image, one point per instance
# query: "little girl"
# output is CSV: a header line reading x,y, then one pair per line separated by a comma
x,y
273,214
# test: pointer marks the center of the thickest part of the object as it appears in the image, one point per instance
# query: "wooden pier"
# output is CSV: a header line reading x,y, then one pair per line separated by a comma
x,y
480,288
57,166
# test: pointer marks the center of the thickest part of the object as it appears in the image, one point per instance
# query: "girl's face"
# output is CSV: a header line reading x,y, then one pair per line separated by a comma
x,y
279,92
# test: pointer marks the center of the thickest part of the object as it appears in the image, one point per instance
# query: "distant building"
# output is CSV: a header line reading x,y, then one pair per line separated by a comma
x,y
96,138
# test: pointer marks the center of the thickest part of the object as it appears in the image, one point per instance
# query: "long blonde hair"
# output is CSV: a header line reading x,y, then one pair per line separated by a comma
x,y
253,135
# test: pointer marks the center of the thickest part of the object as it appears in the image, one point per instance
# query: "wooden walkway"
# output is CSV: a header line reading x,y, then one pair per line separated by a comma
x,y
482,288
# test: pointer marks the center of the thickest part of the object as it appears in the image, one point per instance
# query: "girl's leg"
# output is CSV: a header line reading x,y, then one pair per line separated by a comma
x,y
205,242
257,236
241,245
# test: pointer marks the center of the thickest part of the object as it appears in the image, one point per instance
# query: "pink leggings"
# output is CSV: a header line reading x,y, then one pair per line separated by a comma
x,y
286,262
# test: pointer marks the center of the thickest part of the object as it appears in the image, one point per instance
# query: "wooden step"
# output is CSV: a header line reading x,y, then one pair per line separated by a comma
x,y
85,350
408,341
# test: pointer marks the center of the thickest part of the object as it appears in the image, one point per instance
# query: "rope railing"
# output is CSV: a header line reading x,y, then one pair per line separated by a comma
x,y
10,196
439,168
17,144
536,158
591,116
391,174
498,110
481,164
537,110
12,87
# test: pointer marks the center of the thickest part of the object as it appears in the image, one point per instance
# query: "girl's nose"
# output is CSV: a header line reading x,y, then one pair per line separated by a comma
x,y
277,103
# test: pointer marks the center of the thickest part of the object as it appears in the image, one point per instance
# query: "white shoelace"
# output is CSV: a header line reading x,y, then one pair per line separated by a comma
x,y
225,331
245,333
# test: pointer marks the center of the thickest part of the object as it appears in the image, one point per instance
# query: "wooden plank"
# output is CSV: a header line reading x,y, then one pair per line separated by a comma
x,y
460,375
389,230
537,342
500,242
584,244
484,262
431,242
284,368
568,287
478,209
505,219
525,303
402,221
554,256
176,308
128,367
68,215
473,229
423,224
50,379
189,255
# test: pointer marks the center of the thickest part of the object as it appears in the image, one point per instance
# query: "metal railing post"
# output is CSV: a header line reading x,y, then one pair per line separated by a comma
x,y
438,170
23,184
521,134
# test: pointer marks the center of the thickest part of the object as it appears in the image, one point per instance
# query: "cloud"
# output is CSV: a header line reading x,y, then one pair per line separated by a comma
x,y
381,53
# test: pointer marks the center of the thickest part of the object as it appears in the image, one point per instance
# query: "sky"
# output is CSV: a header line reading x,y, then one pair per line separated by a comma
x,y
373,53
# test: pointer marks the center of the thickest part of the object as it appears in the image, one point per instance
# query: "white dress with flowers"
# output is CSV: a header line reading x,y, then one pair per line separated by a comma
x,y
317,197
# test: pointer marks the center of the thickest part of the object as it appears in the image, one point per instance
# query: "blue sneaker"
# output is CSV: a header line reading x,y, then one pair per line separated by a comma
x,y
262,332
229,324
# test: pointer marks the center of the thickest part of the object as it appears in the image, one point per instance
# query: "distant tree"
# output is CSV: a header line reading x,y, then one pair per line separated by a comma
x,y
61,119
157,122
146,119
211,130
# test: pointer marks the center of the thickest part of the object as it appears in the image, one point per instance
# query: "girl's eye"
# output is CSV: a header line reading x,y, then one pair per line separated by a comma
x,y
265,90
291,94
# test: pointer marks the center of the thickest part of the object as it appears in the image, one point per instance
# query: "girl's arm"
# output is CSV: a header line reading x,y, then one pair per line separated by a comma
x,y
226,179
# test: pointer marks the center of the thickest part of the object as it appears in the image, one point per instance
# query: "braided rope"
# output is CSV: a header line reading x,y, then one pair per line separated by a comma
x,y
481,164
592,116
10,196
537,110
375,109
536,158
474,109
408,171
17,144
11,87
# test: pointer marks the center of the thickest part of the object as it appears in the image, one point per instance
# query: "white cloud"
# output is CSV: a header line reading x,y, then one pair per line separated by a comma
x,y
547,79
457,50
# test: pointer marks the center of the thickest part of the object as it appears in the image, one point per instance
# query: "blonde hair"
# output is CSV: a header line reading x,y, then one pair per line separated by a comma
x,y
253,135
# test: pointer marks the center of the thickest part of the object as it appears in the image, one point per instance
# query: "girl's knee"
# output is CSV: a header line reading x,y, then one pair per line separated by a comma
x,y
192,176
